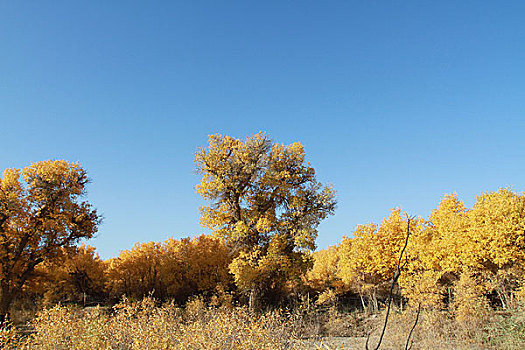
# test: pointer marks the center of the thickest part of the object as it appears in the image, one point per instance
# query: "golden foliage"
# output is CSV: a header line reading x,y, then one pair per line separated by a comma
x,y
266,205
196,266
497,231
136,272
172,269
9,338
77,276
324,274
437,254
40,213
452,247
368,260
485,241
470,303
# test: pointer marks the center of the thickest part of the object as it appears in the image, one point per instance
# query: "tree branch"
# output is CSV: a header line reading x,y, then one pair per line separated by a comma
x,y
397,273
407,347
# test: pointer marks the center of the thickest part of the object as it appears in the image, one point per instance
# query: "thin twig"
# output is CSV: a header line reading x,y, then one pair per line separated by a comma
x,y
397,273
413,327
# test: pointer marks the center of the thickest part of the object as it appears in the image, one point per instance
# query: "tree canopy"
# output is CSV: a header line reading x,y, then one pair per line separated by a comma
x,y
266,205
41,212
175,269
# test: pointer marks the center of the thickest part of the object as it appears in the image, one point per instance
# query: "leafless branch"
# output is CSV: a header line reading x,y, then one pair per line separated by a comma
x,y
407,347
397,273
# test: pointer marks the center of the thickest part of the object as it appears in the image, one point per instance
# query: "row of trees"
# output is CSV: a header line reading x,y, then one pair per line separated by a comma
x,y
174,269
459,258
265,206
464,258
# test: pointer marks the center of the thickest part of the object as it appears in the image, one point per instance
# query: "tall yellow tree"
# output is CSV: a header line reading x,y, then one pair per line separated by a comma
x,y
369,259
497,236
41,212
437,255
266,205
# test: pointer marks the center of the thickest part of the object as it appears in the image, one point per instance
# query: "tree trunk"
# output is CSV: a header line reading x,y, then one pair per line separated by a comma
x,y
254,301
502,297
362,302
6,297
374,301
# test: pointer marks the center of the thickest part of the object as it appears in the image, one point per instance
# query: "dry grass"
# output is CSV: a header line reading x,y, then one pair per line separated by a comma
x,y
146,325
8,338
443,330
435,330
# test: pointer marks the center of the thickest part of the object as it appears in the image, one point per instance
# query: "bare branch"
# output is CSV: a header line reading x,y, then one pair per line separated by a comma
x,y
397,273
407,347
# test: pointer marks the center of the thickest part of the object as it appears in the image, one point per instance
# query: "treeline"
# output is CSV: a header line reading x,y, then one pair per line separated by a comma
x,y
171,270
466,260
463,259
264,205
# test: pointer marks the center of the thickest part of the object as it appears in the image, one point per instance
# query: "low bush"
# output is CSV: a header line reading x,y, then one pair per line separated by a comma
x,y
145,325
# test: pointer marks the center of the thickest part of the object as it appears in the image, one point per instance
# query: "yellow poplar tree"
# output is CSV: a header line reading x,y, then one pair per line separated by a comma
x,y
41,212
136,272
437,254
324,276
324,273
369,259
497,236
266,205
195,266
77,276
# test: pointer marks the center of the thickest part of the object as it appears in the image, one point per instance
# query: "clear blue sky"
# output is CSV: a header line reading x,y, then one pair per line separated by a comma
x,y
396,102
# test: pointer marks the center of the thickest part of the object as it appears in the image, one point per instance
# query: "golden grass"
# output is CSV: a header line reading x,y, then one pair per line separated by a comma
x,y
146,325
8,338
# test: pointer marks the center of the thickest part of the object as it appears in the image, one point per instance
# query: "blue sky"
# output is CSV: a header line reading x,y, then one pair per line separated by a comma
x,y
396,103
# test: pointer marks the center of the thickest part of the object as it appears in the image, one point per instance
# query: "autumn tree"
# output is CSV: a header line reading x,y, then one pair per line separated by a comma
x,y
175,269
324,272
77,276
136,272
497,241
437,255
369,259
41,212
266,204
459,247
197,266
324,277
